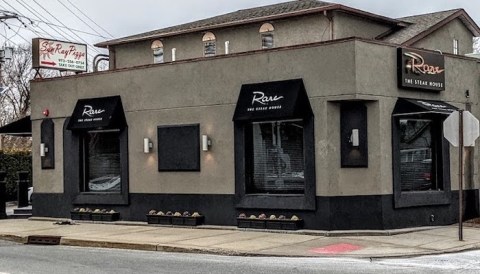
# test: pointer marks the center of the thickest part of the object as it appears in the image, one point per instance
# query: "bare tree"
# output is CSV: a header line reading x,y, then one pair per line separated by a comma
x,y
16,74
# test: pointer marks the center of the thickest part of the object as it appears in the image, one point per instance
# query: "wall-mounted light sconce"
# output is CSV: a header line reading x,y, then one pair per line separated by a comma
x,y
206,143
43,150
174,54
354,139
227,47
147,145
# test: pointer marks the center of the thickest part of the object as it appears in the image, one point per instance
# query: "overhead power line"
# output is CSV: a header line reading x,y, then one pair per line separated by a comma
x,y
63,24
74,14
100,27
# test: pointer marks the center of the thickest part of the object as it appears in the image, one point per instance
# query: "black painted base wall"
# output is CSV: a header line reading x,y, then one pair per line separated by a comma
x,y
333,213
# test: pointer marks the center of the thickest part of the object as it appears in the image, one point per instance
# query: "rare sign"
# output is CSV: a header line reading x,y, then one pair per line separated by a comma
x,y
52,54
97,113
272,100
421,70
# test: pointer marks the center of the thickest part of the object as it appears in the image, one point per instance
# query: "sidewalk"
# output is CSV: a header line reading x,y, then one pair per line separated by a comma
x,y
233,241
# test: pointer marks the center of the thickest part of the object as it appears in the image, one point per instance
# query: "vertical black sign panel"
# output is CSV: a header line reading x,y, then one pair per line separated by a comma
x,y
47,137
179,148
353,116
420,70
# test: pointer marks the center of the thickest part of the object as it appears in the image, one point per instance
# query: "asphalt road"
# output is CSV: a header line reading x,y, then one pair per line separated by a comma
x,y
17,258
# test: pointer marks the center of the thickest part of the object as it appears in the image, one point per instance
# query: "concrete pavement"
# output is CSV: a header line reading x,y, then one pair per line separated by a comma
x,y
234,241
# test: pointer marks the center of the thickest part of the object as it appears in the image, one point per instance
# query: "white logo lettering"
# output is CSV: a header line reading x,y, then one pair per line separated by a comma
x,y
89,111
432,105
260,98
416,64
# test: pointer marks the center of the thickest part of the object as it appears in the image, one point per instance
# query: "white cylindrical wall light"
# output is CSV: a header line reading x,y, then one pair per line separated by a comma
x,y
354,138
147,145
227,47
174,54
43,150
206,142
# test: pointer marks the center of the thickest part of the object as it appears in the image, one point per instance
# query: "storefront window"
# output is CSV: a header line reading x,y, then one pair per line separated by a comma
x,y
277,158
417,148
101,161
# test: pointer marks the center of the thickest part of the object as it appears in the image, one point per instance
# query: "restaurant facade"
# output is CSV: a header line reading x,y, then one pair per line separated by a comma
x,y
344,132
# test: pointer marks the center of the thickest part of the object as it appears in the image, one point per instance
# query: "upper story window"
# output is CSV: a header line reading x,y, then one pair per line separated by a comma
x,y
266,30
209,47
157,48
455,46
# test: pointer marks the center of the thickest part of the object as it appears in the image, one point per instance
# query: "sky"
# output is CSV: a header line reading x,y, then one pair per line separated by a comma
x,y
95,21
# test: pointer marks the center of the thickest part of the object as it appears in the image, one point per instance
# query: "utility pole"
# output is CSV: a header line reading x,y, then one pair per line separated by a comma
x,y
5,54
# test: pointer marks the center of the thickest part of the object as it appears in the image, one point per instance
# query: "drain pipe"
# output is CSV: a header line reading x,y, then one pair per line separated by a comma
x,y
97,59
329,16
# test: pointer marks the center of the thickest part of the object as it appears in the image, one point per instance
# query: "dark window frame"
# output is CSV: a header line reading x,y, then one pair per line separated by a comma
x,y
250,159
72,146
85,163
404,199
209,48
268,40
304,201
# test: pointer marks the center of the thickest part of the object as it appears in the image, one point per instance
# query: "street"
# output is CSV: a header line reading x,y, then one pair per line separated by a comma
x,y
18,258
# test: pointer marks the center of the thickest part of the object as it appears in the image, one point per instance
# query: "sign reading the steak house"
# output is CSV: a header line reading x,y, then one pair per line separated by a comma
x,y
52,54
421,70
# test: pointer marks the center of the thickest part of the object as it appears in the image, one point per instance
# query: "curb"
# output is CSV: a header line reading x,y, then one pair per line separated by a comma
x,y
320,233
14,238
65,241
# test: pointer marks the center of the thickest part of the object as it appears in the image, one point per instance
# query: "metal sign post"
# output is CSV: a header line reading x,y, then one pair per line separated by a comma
x,y
460,176
461,131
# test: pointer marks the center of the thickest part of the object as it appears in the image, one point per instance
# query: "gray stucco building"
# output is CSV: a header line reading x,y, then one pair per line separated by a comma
x,y
315,109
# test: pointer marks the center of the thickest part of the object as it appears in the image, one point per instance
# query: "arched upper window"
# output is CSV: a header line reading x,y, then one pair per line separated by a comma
x,y
209,47
157,48
266,30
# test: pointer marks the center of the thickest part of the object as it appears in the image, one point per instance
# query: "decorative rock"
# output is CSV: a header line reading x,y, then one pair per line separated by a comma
x,y
195,214
152,212
272,217
242,215
253,217
161,213
262,216
294,218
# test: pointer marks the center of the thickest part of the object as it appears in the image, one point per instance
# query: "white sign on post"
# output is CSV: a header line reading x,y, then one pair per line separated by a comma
x,y
471,129
53,54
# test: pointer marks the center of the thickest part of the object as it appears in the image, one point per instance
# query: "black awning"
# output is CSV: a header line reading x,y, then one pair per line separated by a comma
x,y
406,106
98,113
272,100
21,127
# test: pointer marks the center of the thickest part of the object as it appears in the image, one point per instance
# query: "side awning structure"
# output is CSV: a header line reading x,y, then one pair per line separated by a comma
x,y
98,114
405,106
21,128
272,100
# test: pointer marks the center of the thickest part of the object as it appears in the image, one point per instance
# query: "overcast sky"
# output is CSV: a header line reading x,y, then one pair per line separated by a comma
x,y
127,17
